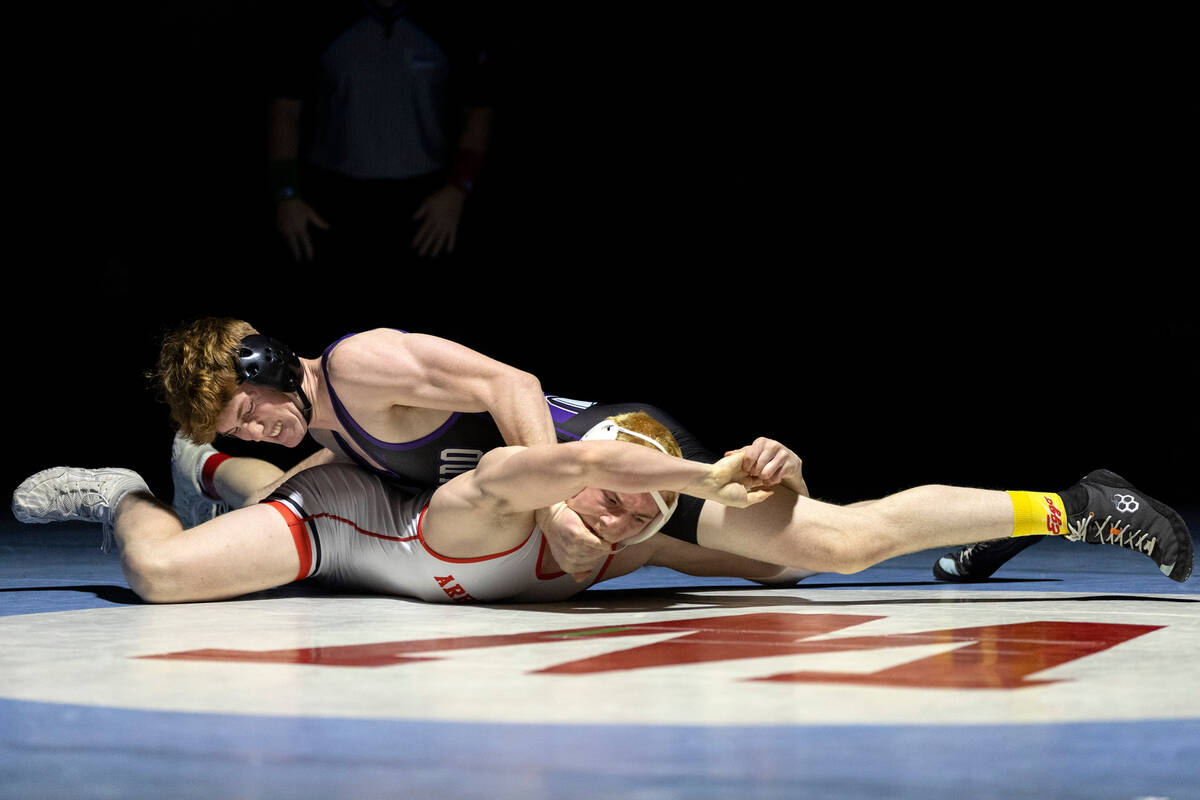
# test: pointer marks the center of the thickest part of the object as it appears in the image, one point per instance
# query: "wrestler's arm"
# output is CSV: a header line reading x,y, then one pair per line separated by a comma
x,y
511,480
328,454
386,368
489,508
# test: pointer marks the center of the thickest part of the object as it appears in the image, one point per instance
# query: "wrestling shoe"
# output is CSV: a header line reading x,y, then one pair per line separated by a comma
x,y
977,562
1116,513
191,504
65,494
788,576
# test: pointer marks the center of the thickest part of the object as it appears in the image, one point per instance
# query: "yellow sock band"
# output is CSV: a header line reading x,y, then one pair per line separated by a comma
x,y
1038,514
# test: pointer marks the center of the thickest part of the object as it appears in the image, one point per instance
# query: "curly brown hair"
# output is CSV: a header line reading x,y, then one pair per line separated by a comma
x,y
196,374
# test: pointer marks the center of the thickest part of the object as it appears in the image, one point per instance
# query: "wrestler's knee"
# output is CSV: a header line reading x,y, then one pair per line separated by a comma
x,y
151,574
850,544
797,532
833,551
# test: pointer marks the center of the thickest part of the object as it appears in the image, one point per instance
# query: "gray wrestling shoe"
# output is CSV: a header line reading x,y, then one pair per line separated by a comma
x,y
191,504
65,494
1116,513
789,576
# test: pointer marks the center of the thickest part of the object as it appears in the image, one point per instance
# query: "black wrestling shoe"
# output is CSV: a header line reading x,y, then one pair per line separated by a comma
x,y
977,562
1116,513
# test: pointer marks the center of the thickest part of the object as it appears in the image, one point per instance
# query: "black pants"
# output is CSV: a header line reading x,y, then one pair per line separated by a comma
x,y
370,221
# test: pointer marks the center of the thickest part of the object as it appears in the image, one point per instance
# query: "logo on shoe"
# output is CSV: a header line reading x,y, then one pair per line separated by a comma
x,y
1126,503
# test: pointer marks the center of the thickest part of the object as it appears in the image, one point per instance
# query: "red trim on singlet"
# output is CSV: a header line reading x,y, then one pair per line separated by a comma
x,y
600,574
545,576
363,531
336,518
439,557
208,471
299,535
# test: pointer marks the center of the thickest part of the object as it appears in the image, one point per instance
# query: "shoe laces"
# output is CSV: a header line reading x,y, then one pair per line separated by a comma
x,y
84,496
87,496
1119,534
967,553
971,551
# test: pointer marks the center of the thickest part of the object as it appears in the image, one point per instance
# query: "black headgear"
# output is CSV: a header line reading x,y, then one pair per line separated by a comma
x,y
268,362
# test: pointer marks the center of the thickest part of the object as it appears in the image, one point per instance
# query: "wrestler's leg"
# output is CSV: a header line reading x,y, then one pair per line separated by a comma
x,y
242,481
797,531
243,551
1101,508
209,482
246,550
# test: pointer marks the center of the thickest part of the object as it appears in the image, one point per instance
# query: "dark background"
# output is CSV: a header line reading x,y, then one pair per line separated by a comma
x,y
915,249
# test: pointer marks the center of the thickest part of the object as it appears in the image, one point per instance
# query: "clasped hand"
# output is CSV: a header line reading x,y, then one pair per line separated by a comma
x,y
730,483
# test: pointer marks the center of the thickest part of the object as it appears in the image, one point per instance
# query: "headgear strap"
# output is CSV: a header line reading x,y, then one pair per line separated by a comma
x,y
606,431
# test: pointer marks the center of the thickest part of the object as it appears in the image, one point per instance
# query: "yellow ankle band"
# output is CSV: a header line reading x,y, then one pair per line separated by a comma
x,y
1038,514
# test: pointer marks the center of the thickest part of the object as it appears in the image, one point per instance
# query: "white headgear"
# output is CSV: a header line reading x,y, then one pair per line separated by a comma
x,y
606,431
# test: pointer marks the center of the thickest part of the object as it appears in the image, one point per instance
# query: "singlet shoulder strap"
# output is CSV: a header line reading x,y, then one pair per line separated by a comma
x,y
338,409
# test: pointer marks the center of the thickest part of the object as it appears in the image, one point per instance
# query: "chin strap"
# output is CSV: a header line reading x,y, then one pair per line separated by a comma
x,y
607,430
305,405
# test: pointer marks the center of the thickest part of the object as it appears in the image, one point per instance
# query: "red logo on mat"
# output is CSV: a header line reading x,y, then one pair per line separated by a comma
x,y
988,657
